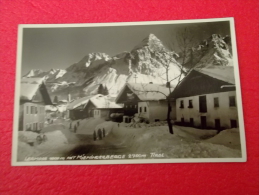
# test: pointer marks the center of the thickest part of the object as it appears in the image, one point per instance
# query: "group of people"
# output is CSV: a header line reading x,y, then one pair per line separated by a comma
x,y
41,138
100,134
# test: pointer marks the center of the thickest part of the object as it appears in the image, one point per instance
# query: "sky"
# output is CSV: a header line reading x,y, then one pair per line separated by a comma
x,y
52,47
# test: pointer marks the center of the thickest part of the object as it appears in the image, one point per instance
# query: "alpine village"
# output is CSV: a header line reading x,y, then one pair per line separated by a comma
x,y
181,105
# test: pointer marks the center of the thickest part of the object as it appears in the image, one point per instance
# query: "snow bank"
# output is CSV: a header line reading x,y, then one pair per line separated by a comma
x,y
27,136
55,139
186,142
25,150
193,133
228,137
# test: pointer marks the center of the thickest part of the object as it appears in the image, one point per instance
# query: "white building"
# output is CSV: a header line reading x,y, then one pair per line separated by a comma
x,y
146,101
103,107
206,98
33,98
97,106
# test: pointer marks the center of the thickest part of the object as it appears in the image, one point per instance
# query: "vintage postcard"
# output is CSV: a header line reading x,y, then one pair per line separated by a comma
x,y
125,93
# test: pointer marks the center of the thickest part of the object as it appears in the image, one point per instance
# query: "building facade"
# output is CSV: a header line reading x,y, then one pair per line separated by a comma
x,y
216,110
206,98
97,106
33,98
147,101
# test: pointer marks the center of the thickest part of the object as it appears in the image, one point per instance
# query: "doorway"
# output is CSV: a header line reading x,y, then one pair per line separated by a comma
x,y
203,122
217,124
233,123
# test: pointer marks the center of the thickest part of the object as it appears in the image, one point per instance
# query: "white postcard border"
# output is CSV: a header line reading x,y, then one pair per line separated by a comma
x,y
14,161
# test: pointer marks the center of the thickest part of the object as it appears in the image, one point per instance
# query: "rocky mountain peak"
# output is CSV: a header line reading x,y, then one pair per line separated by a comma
x,y
33,73
151,42
214,51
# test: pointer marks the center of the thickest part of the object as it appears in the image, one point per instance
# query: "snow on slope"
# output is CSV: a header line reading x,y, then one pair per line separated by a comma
x,y
143,64
213,52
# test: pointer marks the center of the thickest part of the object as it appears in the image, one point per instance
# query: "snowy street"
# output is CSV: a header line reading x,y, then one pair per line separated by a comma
x,y
119,139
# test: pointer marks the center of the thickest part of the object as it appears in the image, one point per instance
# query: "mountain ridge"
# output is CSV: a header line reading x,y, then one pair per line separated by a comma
x,y
143,64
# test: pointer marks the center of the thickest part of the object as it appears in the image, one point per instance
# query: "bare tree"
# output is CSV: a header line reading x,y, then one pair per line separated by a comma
x,y
185,43
167,59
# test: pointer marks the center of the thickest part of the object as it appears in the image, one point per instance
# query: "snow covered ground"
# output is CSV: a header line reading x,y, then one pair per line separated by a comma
x,y
186,142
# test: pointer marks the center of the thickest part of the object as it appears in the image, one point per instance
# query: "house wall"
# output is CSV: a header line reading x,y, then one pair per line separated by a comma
x,y
101,113
76,114
89,110
143,113
224,112
130,108
33,116
156,110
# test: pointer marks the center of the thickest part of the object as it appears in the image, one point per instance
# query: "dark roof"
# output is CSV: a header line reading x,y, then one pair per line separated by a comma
x,y
206,81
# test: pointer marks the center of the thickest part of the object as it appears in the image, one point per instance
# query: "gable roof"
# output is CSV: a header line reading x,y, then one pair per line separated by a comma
x,y
78,102
145,92
223,73
99,101
205,81
30,86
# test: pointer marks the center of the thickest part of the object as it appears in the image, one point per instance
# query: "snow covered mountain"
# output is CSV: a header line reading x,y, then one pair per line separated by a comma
x,y
143,64
149,61
214,51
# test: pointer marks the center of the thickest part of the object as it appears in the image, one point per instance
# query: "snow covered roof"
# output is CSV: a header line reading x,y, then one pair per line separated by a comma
x,y
29,87
145,91
99,101
206,81
78,102
223,73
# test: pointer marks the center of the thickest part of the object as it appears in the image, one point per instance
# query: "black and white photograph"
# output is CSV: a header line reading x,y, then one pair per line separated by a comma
x,y
128,93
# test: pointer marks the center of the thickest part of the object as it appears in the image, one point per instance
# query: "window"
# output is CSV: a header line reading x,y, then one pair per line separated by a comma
x,y
232,101
181,104
190,104
32,109
145,109
182,120
216,102
140,109
203,104
36,110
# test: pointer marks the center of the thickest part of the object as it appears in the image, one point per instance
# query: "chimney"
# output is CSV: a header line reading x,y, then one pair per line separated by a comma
x,y
69,97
